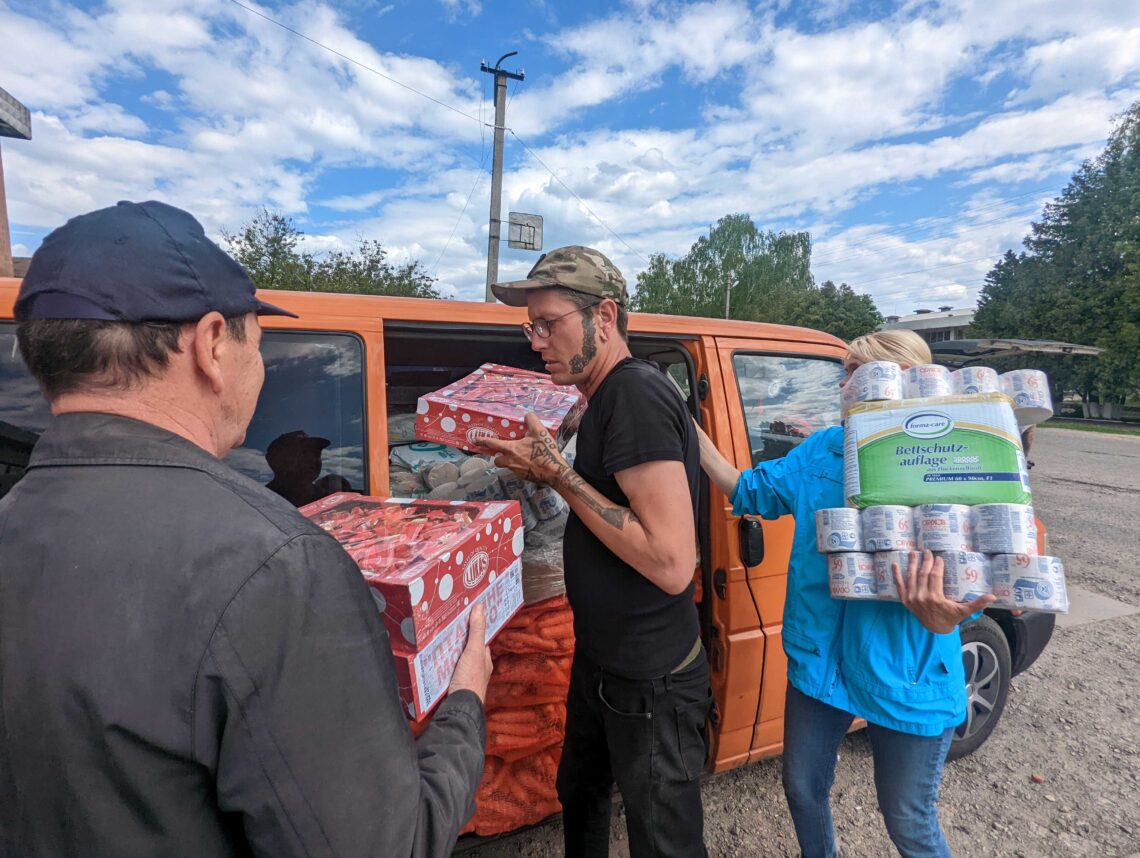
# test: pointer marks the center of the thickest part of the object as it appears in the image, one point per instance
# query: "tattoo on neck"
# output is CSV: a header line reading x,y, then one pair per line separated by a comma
x,y
578,363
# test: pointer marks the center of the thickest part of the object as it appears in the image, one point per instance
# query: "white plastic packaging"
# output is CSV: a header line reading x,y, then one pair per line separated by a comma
x,y
975,379
888,528
1029,390
885,576
851,575
838,529
1004,528
965,575
943,527
1023,582
926,379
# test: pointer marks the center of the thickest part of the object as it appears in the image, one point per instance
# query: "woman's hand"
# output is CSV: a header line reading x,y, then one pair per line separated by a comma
x,y
921,591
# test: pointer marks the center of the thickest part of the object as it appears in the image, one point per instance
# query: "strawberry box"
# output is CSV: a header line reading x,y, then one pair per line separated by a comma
x,y
423,677
492,402
426,561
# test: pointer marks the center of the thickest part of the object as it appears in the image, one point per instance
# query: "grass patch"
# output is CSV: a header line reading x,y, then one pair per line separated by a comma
x,y
1090,427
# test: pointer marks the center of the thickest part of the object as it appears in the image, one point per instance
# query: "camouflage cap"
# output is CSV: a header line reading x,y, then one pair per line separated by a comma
x,y
581,269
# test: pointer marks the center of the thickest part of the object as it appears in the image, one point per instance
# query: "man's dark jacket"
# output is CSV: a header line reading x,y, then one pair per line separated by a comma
x,y
190,667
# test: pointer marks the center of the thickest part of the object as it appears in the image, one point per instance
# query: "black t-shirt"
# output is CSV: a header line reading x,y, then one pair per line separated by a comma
x,y
623,621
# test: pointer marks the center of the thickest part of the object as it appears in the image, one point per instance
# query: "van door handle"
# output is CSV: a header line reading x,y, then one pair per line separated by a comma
x,y
751,542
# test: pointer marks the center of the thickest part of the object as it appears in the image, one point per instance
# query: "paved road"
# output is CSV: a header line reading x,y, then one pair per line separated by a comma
x,y
1072,720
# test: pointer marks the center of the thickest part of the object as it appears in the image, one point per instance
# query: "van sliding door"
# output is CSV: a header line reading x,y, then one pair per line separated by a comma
x,y
777,394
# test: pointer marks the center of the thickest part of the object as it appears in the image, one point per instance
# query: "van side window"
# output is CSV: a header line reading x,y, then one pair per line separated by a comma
x,y
306,439
24,412
785,399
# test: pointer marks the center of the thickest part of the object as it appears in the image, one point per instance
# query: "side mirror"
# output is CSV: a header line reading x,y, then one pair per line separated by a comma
x,y
751,542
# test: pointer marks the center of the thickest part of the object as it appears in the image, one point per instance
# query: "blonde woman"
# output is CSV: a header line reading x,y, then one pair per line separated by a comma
x,y
899,666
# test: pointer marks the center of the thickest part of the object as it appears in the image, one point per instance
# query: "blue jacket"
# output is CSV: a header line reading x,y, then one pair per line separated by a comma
x,y
873,659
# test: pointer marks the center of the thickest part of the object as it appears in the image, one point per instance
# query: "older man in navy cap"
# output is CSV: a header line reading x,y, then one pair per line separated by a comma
x,y
189,666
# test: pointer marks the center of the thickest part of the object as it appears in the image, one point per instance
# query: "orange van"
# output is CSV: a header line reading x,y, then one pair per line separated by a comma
x,y
350,362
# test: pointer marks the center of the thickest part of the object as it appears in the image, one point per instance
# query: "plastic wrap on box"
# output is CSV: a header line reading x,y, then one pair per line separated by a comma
x,y
492,402
943,449
542,572
422,456
401,428
425,560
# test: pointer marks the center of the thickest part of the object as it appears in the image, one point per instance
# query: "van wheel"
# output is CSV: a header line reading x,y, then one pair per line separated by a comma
x,y
985,656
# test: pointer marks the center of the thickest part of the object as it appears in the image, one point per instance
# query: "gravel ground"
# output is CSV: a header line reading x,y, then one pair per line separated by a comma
x,y
1061,775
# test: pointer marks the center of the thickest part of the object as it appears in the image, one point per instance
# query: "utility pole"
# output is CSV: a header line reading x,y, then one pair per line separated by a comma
x,y
501,77
727,292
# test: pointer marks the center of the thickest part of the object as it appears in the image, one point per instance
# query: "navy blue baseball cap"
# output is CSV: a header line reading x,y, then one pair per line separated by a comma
x,y
135,262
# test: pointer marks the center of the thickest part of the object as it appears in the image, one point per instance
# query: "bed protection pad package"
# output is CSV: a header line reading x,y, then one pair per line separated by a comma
x,y
939,449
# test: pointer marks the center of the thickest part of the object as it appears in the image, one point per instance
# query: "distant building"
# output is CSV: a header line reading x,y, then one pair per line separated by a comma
x,y
934,326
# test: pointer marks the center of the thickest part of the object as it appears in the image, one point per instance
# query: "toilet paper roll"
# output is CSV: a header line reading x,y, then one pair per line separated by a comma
x,y
943,527
838,529
975,379
851,575
484,487
529,519
873,381
885,577
1004,528
1029,390
547,503
927,379
1023,582
965,575
888,528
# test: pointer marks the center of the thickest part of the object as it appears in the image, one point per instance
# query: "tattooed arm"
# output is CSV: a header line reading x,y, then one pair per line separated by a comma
x,y
654,534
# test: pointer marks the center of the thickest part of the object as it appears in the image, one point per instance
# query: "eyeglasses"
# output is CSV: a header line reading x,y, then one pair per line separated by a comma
x,y
541,327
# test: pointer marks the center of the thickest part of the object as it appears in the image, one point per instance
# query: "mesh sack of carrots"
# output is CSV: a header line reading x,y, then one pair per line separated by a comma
x,y
528,680
514,794
547,628
513,734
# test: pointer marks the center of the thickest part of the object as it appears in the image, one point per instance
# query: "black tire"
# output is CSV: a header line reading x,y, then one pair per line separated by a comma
x,y
985,656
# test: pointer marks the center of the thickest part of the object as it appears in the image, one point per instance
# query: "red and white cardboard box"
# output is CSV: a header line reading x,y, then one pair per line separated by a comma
x,y
426,561
492,402
423,677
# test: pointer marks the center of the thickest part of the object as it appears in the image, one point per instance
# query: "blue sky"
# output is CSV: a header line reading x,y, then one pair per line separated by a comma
x,y
915,141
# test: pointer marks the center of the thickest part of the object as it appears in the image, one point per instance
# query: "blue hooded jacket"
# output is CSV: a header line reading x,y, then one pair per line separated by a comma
x,y
873,659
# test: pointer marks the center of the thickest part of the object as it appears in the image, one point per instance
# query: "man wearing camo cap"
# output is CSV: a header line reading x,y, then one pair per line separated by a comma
x,y
639,686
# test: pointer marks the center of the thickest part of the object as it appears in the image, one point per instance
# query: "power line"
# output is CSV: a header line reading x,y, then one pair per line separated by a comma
x,y
581,202
470,194
356,62
474,185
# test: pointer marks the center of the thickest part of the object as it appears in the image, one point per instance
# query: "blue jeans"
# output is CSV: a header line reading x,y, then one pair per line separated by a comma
x,y
908,771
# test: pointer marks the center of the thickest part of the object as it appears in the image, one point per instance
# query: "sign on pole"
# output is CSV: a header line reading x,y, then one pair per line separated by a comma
x,y
524,231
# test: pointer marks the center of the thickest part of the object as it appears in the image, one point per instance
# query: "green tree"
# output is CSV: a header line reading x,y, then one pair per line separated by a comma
x,y
267,247
839,311
1079,279
766,276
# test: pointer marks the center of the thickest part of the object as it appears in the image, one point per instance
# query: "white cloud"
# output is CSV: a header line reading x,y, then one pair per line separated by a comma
x,y
1084,63
457,8
797,127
